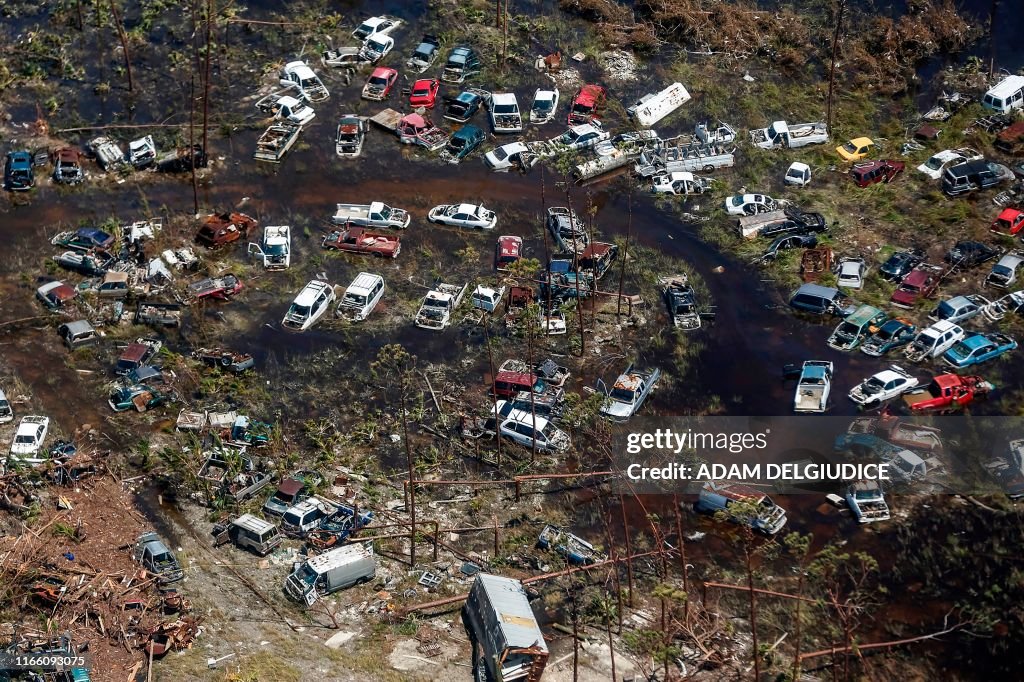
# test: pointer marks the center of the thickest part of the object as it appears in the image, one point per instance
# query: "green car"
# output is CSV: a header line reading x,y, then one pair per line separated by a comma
x,y
138,396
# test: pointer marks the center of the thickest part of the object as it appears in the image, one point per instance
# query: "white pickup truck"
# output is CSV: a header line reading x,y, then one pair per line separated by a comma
x,y
781,134
813,386
276,248
376,214
439,304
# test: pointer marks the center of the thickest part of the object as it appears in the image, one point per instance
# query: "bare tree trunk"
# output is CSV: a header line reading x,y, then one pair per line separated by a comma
x,y
992,38
192,107
206,78
629,549
575,260
504,36
797,625
682,559
412,478
123,37
494,392
832,66
81,19
753,611
575,635
625,250
611,643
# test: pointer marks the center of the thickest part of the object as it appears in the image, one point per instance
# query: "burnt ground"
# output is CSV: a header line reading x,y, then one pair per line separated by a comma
x,y
316,387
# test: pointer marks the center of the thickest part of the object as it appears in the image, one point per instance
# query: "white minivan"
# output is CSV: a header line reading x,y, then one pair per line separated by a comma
x,y
1006,95
309,306
361,297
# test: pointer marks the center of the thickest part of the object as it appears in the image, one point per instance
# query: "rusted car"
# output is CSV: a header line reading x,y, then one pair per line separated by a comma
x,y
362,240
67,166
221,288
224,358
871,172
587,101
223,228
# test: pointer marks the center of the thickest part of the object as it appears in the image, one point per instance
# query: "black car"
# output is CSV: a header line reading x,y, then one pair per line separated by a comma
x,y
900,264
966,254
802,240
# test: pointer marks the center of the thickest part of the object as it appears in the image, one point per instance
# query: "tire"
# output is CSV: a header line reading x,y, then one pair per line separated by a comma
x,y
709,169
225,361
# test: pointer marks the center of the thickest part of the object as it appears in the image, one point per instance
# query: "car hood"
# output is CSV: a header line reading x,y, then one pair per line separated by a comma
x,y
616,409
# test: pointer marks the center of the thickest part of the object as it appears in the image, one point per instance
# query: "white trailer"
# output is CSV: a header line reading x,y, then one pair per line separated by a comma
x,y
653,107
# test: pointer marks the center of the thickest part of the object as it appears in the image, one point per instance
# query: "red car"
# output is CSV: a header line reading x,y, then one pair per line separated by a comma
x,y
922,282
1010,221
508,250
362,240
586,103
870,172
378,85
946,390
424,93
223,228
221,288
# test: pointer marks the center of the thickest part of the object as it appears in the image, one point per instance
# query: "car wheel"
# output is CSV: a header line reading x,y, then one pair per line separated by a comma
x,y
708,168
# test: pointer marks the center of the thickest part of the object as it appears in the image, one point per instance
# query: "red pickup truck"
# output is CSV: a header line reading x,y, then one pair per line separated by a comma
x,y
946,391
362,240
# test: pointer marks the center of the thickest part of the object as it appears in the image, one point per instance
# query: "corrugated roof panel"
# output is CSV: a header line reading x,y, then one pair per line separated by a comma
x,y
515,617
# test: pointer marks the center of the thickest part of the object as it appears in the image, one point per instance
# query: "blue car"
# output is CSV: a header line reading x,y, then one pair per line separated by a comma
x,y
463,107
891,335
463,142
18,173
84,239
978,348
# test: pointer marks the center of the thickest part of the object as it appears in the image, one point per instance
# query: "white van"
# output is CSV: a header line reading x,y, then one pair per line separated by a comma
x,y
361,297
1006,95
331,571
653,107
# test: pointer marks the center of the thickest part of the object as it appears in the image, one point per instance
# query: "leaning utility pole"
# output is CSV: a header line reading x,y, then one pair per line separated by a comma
x,y
832,66
123,37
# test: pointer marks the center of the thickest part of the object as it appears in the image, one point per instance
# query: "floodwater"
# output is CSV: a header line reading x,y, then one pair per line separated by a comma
x,y
753,336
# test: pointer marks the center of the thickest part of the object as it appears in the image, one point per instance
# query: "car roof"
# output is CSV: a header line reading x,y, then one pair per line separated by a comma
x,y
943,326
468,208
888,375
584,128
817,290
861,141
363,282
503,98
467,97
423,81
975,341
382,71
1011,260
513,147
467,132
310,292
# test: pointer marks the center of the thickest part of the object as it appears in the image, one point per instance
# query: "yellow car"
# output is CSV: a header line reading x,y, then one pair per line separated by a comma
x,y
856,149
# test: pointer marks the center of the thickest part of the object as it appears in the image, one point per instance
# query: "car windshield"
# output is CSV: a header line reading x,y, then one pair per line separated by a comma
x,y
934,163
276,249
505,108
850,147
354,299
738,200
623,395
422,91
580,108
907,286
379,81
542,105
795,173
25,439
848,329
946,310
375,45
298,311
1001,270
292,518
885,333
872,385
456,142
424,51
962,349
500,154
